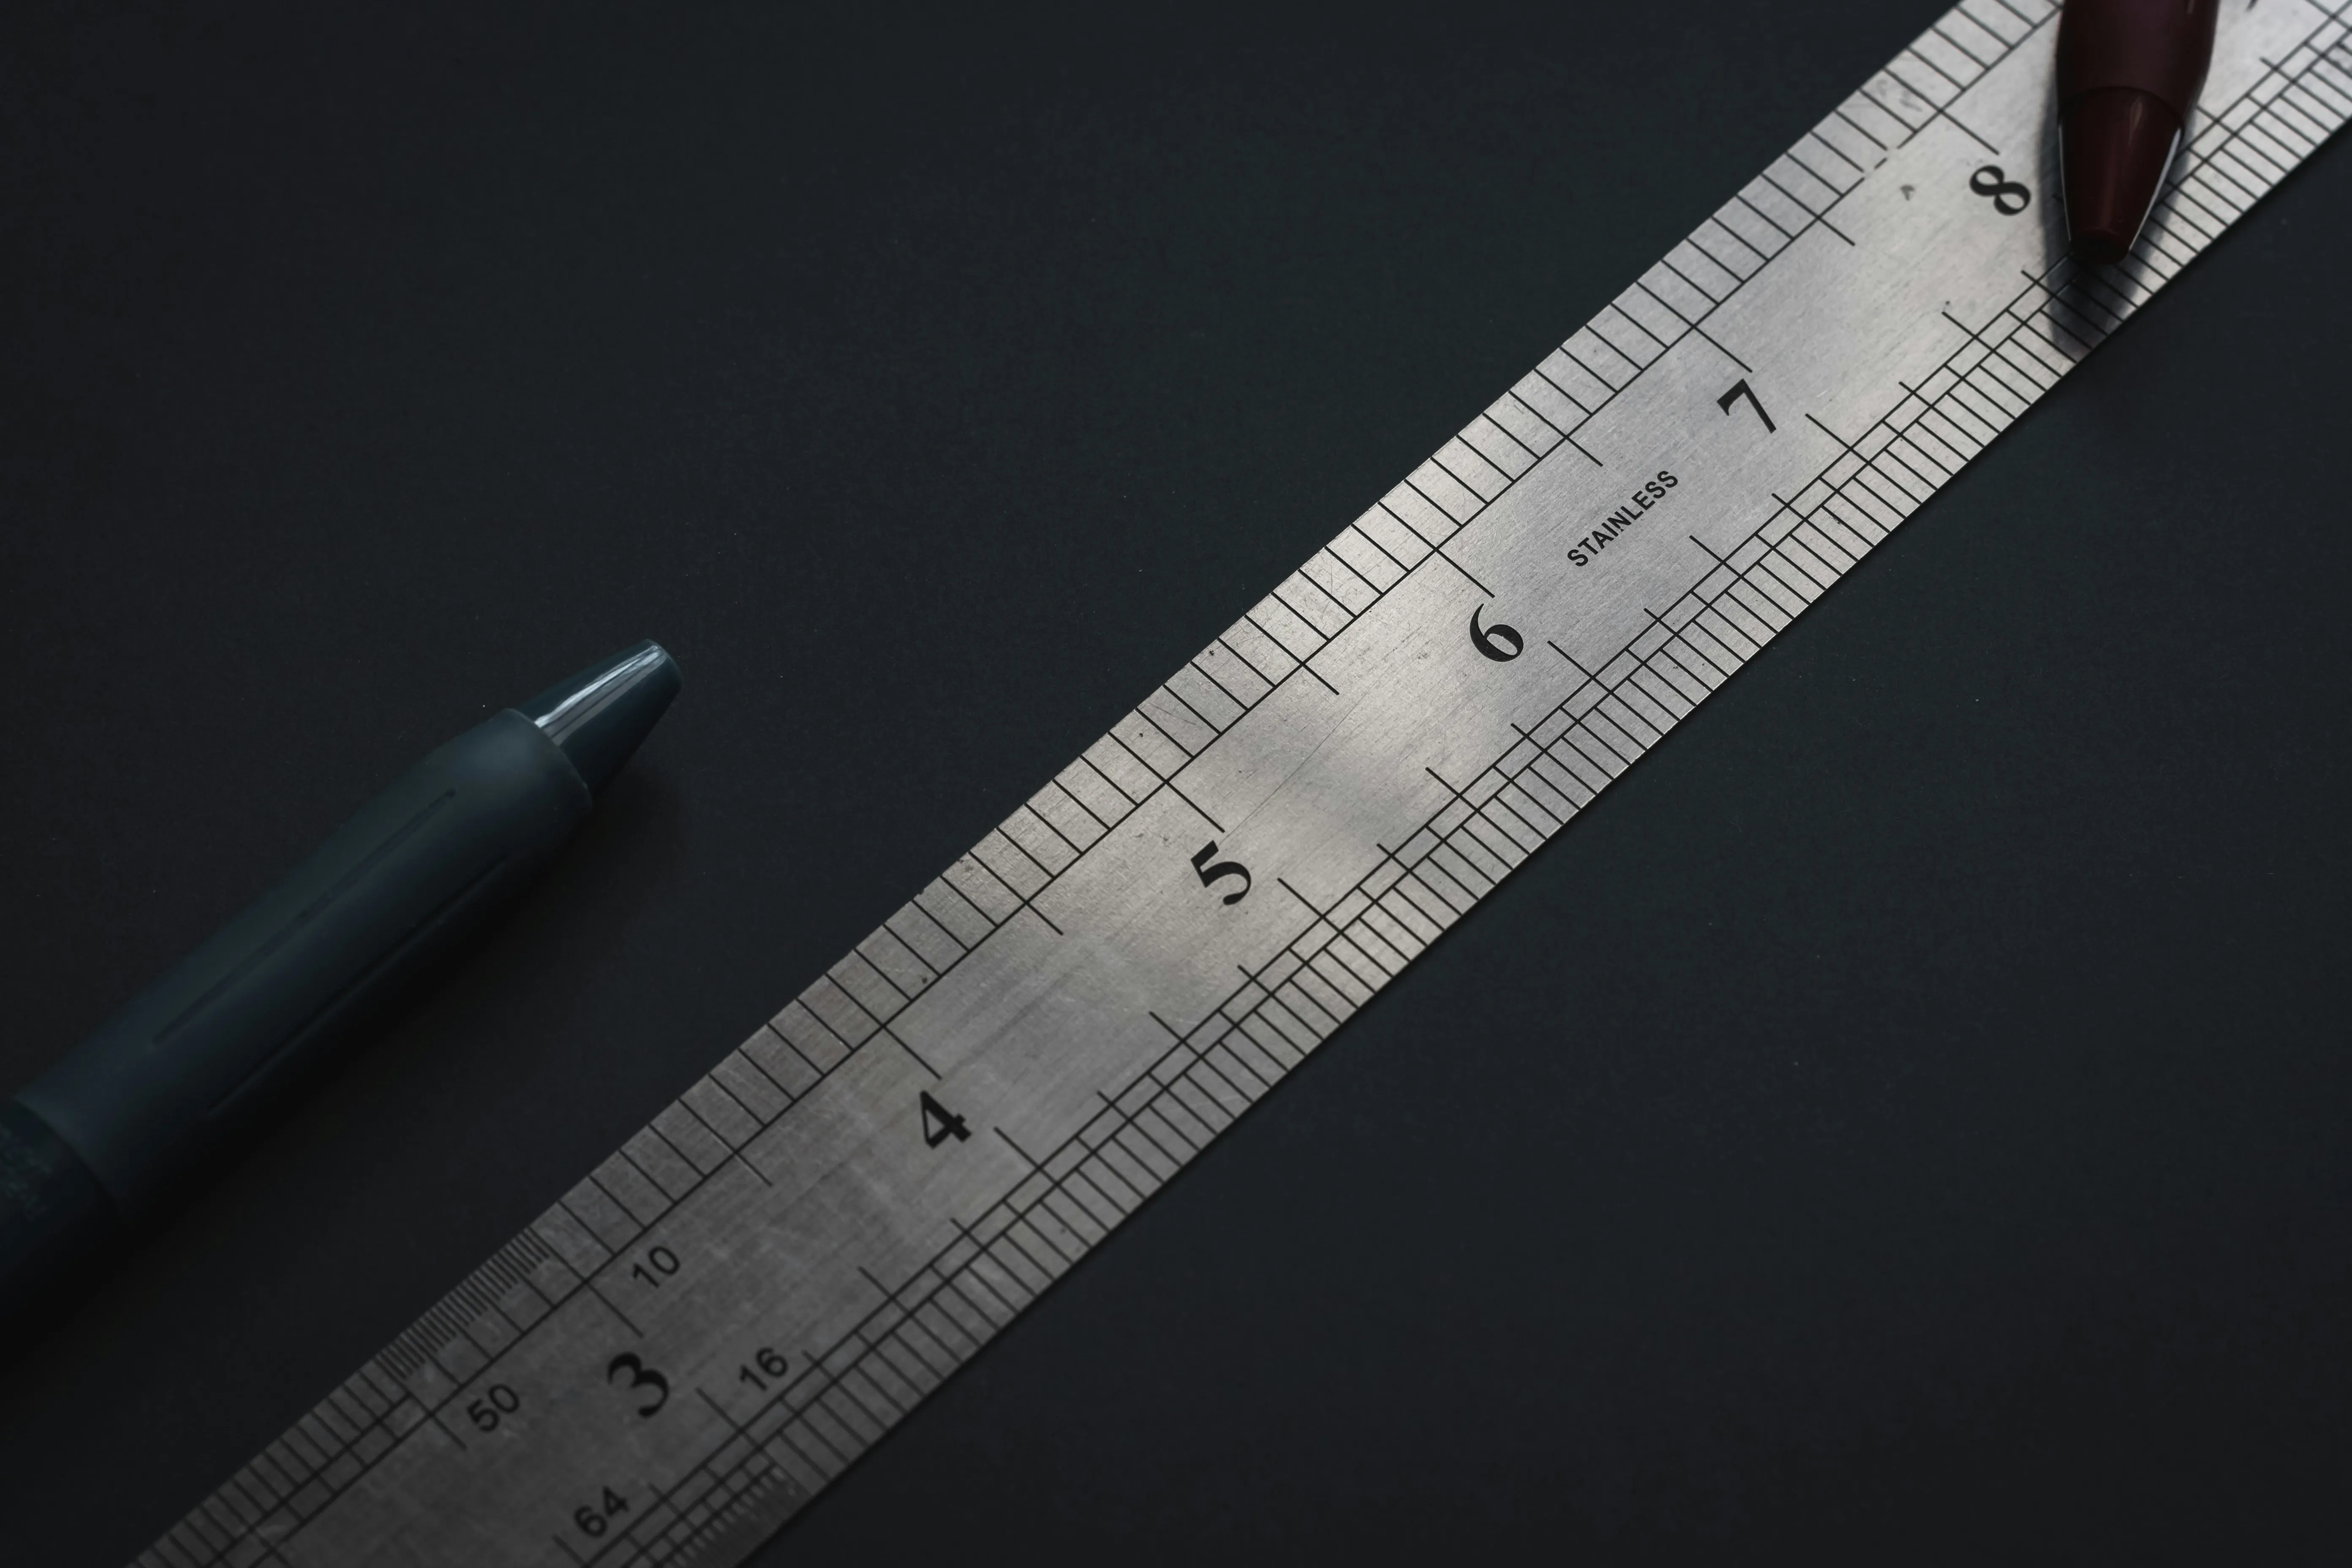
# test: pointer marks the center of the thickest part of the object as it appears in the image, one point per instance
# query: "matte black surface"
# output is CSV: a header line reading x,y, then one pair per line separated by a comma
x,y
1906,1115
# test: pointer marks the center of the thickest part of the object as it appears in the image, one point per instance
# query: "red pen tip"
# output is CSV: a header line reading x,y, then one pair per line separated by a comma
x,y
2117,142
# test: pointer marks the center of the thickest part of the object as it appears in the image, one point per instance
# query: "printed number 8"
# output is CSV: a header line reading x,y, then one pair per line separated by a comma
x,y
2009,197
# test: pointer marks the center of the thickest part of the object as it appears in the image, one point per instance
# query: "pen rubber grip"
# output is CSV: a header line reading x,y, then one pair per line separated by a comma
x,y
180,1079
58,1230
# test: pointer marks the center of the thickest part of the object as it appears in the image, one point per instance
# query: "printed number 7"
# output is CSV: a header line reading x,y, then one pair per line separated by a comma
x,y
1741,389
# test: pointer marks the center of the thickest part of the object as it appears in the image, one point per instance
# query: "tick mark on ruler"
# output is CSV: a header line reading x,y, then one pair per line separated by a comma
x,y
1970,134
1303,898
1257,976
1307,665
1188,800
440,1419
1974,334
1833,435
1571,663
913,1054
1709,339
597,1290
1711,555
1456,794
1439,553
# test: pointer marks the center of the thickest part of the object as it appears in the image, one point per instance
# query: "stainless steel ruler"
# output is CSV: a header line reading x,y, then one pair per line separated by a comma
x,y
727,1312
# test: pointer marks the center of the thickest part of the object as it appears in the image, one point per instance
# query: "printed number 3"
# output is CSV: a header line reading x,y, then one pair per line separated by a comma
x,y
641,1376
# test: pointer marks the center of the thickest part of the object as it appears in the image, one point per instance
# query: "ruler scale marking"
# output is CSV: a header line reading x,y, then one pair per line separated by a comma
x,y
1052,1147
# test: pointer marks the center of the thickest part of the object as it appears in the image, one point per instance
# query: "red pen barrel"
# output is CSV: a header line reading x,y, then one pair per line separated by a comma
x,y
2128,74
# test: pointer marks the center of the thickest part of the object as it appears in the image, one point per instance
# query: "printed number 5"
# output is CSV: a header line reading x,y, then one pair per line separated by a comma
x,y
1210,875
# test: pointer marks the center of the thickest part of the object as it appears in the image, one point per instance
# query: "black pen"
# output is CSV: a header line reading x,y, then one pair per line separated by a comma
x,y
99,1148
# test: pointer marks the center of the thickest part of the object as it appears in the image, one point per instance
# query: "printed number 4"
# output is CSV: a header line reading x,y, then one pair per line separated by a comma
x,y
940,1124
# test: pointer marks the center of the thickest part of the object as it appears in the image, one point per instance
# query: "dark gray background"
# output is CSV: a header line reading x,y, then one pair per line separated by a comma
x,y
1907,1115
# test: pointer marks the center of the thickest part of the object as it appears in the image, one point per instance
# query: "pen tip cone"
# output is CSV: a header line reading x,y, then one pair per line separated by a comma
x,y
599,716
2115,146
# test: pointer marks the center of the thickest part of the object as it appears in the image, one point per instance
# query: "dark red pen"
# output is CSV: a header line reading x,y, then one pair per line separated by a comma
x,y
2128,73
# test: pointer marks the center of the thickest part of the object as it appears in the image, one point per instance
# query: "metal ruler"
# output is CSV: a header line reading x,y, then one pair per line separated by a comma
x,y
727,1312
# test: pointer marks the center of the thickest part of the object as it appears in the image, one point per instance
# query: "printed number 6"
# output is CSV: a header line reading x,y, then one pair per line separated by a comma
x,y
1498,642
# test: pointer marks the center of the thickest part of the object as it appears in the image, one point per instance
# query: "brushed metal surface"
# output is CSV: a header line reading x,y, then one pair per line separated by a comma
x,y
735,1305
